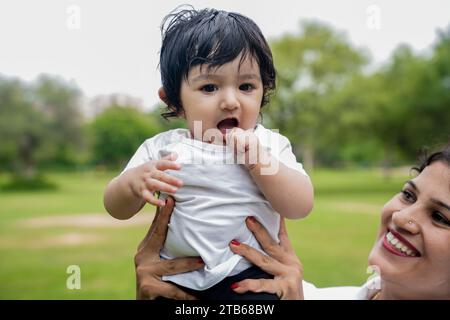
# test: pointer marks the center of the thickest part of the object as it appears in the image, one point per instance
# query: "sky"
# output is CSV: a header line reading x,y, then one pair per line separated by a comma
x,y
107,47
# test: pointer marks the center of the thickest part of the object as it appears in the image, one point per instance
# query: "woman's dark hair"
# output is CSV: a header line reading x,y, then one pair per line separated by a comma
x,y
211,37
425,160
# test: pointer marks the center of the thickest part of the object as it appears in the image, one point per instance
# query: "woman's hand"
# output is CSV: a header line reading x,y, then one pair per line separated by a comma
x,y
281,262
150,268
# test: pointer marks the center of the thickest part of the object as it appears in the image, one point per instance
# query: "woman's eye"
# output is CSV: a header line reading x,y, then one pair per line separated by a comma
x,y
439,218
408,196
208,88
246,87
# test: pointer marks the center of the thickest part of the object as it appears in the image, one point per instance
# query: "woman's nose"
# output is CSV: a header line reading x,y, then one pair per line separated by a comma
x,y
407,219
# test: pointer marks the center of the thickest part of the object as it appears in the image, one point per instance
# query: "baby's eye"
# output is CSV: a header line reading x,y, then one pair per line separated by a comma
x,y
408,196
439,218
246,87
209,88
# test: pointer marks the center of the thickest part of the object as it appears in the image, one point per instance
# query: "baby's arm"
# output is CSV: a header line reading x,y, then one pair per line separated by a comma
x,y
289,191
127,193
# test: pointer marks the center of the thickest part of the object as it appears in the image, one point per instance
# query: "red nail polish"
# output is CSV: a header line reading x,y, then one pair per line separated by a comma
x,y
200,261
235,242
252,219
234,286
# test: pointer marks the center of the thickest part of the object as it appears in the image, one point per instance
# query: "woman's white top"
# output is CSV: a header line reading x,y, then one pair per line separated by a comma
x,y
216,198
365,292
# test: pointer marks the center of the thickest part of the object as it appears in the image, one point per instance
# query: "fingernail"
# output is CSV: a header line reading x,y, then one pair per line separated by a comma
x,y
234,286
235,242
251,219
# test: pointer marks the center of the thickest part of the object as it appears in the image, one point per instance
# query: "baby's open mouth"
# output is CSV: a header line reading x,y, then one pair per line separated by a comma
x,y
227,124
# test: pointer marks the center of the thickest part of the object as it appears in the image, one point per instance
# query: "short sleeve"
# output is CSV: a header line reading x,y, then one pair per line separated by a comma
x,y
287,157
280,147
142,155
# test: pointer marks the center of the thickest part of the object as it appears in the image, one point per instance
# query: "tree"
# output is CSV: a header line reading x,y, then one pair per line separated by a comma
x,y
118,132
59,102
311,66
415,112
39,124
22,128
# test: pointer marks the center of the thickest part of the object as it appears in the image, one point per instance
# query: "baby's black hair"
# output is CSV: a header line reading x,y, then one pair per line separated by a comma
x,y
213,37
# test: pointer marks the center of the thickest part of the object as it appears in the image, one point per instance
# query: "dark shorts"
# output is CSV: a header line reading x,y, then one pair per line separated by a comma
x,y
223,291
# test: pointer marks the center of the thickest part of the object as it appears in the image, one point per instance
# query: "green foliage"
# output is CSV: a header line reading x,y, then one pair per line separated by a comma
x,y
20,183
39,124
167,124
335,112
60,102
311,66
118,132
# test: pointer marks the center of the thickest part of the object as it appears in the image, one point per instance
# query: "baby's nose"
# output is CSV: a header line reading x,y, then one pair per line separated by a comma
x,y
230,100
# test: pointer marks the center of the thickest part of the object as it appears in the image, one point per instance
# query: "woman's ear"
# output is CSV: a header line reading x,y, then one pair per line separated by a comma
x,y
162,95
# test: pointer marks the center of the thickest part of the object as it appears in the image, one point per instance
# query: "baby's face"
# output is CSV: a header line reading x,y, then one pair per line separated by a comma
x,y
222,98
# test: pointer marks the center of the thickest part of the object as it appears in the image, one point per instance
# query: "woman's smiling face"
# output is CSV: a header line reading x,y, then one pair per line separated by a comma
x,y
412,250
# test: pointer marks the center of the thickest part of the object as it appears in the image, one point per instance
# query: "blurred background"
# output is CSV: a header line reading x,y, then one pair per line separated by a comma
x,y
362,87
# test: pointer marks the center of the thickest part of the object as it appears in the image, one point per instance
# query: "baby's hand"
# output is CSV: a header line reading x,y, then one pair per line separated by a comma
x,y
150,177
246,146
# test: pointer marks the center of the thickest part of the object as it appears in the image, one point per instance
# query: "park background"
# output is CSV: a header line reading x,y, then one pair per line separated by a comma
x,y
363,86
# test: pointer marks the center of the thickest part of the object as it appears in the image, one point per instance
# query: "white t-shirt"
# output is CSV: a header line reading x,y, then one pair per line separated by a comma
x,y
211,207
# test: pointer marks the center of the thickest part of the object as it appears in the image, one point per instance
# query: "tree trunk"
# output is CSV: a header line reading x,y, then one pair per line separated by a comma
x,y
387,163
308,157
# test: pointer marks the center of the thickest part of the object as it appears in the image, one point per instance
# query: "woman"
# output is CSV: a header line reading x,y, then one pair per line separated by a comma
x,y
411,252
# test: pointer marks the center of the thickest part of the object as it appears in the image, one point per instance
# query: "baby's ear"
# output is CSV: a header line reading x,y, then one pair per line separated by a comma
x,y
163,96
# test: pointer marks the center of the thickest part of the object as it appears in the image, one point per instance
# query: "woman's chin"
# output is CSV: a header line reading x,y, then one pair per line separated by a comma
x,y
375,256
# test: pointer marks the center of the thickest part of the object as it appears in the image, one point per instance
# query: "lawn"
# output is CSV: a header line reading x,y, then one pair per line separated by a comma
x,y
43,233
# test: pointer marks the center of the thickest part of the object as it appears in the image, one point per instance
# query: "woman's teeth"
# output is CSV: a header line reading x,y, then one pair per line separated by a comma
x,y
395,242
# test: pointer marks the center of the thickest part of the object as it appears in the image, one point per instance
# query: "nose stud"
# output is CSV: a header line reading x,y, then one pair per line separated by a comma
x,y
410,222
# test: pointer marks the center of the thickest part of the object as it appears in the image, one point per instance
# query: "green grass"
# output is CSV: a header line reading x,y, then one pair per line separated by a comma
x,y
333,242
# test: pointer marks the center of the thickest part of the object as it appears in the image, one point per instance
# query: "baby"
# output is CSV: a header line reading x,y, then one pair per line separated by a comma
x,y
217,72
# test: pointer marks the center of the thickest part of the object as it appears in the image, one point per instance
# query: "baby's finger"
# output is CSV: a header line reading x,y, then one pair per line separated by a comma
x,y
167,165
153,184
150,198
172,156
241,141
230,137
167,178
